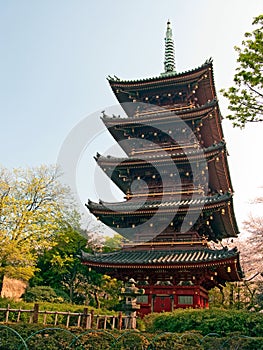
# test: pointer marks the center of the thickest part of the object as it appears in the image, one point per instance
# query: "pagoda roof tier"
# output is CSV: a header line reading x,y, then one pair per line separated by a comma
x,y
194,154
123,128
156,114
168,130
150,89
224,261
128,207
217,219
125,170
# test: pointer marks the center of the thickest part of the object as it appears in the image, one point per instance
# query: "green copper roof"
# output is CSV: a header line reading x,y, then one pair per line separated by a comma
x,y
154,205
156,257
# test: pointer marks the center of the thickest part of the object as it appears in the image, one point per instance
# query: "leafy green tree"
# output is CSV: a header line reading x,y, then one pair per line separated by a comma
x,y
43,293
33,206
246,96
60,266
112,243
101,290
107,293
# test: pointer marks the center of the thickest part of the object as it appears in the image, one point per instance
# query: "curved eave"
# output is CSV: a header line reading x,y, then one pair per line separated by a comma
x,y
169,260
149,83
125,208
209,120
219,175
136,91
162,115
225,225
211,130
110,170
195,155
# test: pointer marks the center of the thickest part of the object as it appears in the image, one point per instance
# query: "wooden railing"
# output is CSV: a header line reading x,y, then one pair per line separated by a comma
x,y
163,194
85,319
164,109
163,147
187,242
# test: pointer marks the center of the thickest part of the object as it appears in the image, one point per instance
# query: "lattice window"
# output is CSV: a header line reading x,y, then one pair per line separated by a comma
x,y
142,299
185,299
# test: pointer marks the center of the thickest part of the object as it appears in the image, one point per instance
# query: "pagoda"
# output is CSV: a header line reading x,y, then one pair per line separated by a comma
x,y
177,189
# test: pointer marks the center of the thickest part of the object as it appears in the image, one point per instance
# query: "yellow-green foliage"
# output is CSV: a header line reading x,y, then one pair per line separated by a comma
x,y
33,206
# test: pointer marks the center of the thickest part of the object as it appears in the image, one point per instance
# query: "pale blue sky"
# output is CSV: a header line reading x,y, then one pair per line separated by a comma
x,y
56,55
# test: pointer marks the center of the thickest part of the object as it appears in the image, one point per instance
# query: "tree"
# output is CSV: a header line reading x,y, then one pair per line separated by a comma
x,y
34,206
252,251
43,293
112,243
259,296
246,96
60,266
248,293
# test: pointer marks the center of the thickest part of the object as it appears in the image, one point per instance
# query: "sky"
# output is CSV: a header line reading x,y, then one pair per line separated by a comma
x,y
56,55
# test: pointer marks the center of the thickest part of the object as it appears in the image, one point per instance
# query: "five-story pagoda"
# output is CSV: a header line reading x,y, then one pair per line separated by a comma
x,y
178,192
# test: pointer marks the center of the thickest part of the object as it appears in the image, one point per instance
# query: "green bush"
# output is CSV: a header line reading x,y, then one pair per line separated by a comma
x,y
39,337
130,340
42,293
168,341
35,336
94,340
207,321
232,342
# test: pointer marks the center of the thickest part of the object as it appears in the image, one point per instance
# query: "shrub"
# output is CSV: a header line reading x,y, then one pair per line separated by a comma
x,y
130,340
35,336
39,337
207,321
42,293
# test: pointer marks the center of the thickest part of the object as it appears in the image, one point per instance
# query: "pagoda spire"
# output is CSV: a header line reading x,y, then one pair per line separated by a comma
x,y
169,57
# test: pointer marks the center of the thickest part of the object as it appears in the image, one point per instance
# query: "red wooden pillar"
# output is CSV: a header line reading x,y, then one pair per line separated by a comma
x,y
152,302
120,321
172,302
197,301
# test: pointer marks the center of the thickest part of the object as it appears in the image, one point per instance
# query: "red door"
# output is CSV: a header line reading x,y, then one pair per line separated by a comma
x,y
162,303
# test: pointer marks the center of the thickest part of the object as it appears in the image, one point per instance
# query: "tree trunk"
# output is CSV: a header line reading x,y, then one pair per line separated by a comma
x,y
96,296
231,295
222,295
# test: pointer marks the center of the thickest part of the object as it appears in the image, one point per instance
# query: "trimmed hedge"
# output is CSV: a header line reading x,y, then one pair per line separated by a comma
x,y
45,339
39,338
218,321
186,330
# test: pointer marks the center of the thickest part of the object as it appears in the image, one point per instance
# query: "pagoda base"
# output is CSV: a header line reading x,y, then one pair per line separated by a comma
x,y
169,298
171,278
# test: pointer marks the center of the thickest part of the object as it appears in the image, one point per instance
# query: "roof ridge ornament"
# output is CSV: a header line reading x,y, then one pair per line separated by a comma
x,y
169,55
